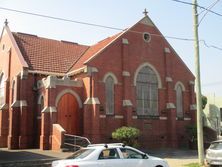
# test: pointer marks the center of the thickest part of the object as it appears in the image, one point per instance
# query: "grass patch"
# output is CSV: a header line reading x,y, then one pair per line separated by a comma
x,y
192,165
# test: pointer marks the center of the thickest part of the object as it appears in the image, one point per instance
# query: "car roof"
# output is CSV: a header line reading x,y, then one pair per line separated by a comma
x,y
102,146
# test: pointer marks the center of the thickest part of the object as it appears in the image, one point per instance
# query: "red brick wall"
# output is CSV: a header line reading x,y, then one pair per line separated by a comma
x,y
155,132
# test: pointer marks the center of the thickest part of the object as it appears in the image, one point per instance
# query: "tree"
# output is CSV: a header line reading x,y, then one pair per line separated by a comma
x,y
204,101
127,135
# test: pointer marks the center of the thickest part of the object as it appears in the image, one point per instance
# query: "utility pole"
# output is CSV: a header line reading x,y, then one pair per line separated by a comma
x,y
198,87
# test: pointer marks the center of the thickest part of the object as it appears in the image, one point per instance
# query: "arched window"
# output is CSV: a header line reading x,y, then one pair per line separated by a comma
x,y
179,101
109,91
2,90
42,103
147,92
13,91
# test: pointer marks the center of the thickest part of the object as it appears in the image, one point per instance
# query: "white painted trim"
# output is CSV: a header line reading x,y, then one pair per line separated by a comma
x,y
45,73
170,106
134,117
163,118
126,74
125,41
153,68
181,84
40,97
167,50
169,79
187,119
127,103
112,75
118,116
19,103
102,116
193,107
59,96
191,82
49,109
4,107
92,100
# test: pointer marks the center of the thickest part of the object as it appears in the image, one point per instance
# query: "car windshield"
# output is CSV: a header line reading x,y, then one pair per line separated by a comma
x,y
216,146
80,154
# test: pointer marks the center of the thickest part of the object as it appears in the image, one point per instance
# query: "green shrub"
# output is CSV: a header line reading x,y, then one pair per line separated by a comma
x,y
127,135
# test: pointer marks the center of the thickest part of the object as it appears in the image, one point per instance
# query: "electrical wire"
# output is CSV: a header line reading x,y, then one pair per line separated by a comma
x,y
108,27
207,11
201,7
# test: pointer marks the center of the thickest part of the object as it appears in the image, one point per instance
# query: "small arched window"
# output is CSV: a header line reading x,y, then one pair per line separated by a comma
x,y
179,101
147,92
13,91
109,93
2,90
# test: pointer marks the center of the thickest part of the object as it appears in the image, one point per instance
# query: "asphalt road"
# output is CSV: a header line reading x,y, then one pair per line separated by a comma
x,y
175,158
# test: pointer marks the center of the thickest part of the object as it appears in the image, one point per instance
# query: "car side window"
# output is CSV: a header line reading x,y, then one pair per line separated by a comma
x,y
131,154
109,154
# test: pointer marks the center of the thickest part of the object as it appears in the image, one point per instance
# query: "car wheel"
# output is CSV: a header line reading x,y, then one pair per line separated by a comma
x,y
159,166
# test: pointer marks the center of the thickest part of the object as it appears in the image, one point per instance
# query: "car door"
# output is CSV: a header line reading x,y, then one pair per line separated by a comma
x,y
109,158
132,158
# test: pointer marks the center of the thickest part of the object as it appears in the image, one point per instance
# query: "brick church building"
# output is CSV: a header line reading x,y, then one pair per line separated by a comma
x,y
134,78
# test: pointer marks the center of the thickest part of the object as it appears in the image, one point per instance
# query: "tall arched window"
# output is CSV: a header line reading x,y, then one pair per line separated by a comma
x,y
179,101
2,90
109,90
147,92
13,91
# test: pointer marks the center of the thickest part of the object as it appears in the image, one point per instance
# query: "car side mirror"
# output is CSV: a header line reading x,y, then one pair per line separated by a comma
x,y
145,156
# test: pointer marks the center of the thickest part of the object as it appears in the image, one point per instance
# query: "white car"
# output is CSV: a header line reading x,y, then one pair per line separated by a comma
x,y
214,153
110,155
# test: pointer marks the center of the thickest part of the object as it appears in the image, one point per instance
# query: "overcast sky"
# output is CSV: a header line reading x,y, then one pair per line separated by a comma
x,y
172,18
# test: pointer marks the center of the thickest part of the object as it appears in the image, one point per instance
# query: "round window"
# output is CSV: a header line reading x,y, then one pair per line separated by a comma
x,y
146,37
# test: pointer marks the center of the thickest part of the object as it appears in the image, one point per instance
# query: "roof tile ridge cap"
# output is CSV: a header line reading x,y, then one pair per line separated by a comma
x,y
78,59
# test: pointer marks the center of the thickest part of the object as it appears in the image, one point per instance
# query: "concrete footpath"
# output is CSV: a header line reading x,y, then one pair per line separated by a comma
x,y
175,158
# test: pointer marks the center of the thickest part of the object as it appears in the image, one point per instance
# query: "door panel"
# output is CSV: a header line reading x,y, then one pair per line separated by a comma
x,y
68,114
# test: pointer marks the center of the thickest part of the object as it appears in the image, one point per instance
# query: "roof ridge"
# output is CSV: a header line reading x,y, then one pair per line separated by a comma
x,y
45,38
77,59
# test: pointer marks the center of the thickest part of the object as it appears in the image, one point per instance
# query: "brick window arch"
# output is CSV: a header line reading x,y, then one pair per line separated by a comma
x,y
147,92
2,90
109,94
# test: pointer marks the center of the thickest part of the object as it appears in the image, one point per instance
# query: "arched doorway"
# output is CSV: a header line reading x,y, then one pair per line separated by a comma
x,y
68,113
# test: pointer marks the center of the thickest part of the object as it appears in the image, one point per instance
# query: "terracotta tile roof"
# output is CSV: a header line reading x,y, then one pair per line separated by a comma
x,y
48,55
94,49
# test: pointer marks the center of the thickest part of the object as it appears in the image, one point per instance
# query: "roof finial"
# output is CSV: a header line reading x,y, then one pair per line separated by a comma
x,y
145,12
6,22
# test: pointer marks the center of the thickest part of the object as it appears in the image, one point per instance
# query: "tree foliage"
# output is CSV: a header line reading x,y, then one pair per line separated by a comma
x,y
127,135
204,101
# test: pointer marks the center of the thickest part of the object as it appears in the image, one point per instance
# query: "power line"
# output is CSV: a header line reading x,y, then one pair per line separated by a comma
x,y
59,18
210,7
107,27
201,7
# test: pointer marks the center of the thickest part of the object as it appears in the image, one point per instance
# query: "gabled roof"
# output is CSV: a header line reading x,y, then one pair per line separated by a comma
x,y
48,55
94,49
